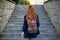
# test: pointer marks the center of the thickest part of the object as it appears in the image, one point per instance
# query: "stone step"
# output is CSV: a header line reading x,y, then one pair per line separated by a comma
x,y
22,25
32,39
12,28
18,24
20,12
19,36
19,33
41,29
22,17
21,20
38,36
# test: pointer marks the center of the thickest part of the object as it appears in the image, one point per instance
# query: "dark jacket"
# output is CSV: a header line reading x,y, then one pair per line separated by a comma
x,y
25,26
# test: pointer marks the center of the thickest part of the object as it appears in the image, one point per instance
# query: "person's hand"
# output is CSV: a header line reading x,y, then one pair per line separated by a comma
x,y
22,35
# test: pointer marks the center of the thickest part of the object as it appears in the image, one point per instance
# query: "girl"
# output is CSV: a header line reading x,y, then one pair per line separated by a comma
x,y
31,15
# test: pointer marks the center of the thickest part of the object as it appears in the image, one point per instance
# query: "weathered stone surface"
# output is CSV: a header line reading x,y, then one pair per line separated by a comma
x,y
6,9
53,10
0,19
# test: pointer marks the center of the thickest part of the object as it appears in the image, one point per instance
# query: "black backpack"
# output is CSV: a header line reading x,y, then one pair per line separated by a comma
x,y
32,26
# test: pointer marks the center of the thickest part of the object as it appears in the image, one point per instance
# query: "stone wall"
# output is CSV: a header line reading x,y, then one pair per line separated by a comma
x,y
6,9
53,10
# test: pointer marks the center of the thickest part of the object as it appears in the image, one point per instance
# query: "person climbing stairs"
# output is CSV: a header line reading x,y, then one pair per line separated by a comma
x,y
13,28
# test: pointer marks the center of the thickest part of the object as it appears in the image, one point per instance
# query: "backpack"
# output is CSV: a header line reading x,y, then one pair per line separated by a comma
x,y
32,26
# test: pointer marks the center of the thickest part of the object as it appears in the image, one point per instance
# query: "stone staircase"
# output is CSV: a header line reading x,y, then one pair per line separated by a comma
x,y
13,29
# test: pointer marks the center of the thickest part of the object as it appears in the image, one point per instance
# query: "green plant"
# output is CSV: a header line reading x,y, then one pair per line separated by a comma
x,y
23,2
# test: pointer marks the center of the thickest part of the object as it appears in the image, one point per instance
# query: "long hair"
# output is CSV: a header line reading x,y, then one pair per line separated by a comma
x,y
31,13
